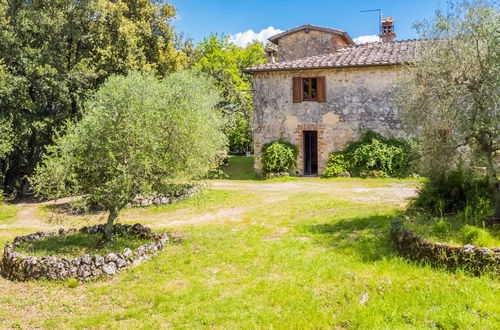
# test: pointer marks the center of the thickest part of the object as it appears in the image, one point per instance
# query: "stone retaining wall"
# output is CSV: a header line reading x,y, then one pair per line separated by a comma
x,y
19,267
471,258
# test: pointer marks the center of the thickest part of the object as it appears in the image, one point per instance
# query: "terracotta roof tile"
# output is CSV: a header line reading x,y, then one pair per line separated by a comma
x,y
370,54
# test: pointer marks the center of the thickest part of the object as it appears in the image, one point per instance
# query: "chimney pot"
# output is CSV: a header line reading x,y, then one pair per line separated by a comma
x,y
387,34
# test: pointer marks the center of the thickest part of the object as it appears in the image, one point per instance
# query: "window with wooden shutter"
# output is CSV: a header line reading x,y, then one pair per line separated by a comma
x,y
321,85
297,90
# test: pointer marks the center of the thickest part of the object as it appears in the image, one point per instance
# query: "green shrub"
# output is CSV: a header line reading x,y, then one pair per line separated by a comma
x,y
455,192
72,283
476,236
440,226
279,156
337,165
374,156
379,156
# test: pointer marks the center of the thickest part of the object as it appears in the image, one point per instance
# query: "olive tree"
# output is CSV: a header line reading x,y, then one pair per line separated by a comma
x,y
137,134
450,92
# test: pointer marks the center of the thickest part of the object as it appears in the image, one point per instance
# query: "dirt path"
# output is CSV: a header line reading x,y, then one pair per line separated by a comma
x,y
268,193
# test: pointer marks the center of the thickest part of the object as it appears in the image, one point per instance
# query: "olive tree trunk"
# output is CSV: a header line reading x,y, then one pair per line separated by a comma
x,y
496,190
108,227
495,219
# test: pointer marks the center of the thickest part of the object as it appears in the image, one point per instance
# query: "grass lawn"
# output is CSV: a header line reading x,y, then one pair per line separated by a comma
x,y
78,244
7,213
307,253
239,168
456,230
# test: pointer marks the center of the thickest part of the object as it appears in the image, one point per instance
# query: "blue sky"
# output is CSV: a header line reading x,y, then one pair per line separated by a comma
x,y
198,18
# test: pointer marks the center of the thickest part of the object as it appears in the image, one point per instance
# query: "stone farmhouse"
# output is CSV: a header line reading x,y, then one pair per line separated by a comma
x,y
320,91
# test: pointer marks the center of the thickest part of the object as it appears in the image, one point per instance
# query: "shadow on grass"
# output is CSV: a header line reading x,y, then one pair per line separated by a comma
x,y
239,168
368,237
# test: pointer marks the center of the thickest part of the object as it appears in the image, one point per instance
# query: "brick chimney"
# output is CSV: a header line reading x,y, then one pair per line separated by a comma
x,y
387,34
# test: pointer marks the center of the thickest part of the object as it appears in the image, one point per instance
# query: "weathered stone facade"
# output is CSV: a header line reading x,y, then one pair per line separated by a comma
x,y
357,100
307,43
346,93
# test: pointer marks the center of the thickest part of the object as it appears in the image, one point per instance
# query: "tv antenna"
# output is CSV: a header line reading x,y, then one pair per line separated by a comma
x,y
379,14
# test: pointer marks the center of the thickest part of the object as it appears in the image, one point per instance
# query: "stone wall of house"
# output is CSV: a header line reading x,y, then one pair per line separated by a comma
x,y
304,44
357,101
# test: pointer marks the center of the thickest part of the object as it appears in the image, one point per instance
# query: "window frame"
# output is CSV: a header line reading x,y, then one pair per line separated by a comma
x,y
310,89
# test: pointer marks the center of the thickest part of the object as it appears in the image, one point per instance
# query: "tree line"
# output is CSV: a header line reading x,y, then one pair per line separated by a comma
x,y
55,54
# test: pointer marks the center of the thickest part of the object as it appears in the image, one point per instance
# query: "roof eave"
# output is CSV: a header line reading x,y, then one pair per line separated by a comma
x,y
322,67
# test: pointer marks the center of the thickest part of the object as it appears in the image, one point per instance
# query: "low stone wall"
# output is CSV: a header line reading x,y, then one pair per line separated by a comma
x,y
161,199
19,267
468,257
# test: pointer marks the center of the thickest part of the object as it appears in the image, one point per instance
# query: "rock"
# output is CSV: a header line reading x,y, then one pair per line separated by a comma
x,y
121,263
98,260
364,299
139,251
485,250
468,248
97,273
84,272
86,259
111,257
73,271
127,252
110,269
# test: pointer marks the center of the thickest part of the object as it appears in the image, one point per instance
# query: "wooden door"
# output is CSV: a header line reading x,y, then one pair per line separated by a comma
x,y
310,152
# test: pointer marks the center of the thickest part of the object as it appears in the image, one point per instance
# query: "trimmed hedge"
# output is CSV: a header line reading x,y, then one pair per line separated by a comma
x,y
476,260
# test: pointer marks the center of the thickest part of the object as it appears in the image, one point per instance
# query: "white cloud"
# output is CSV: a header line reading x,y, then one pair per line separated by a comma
x,y
242,39
365,39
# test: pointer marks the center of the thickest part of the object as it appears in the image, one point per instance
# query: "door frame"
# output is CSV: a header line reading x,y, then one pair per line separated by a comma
x,y
311,169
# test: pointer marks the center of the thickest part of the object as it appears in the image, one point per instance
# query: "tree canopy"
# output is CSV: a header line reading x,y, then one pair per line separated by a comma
x,y
450,94
136,136
55,53
226,63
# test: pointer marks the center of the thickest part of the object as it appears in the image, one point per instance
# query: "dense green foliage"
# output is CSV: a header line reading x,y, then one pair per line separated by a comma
x,y
55,53
225,63
456,191
450,94
136,136
375,156
476,236
279,156
337,165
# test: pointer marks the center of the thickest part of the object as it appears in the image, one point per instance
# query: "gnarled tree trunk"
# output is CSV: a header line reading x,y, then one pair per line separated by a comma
x,y
495,219
108,228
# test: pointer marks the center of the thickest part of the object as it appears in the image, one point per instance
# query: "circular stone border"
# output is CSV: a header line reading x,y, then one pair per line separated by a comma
x,y
468,257
19,267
